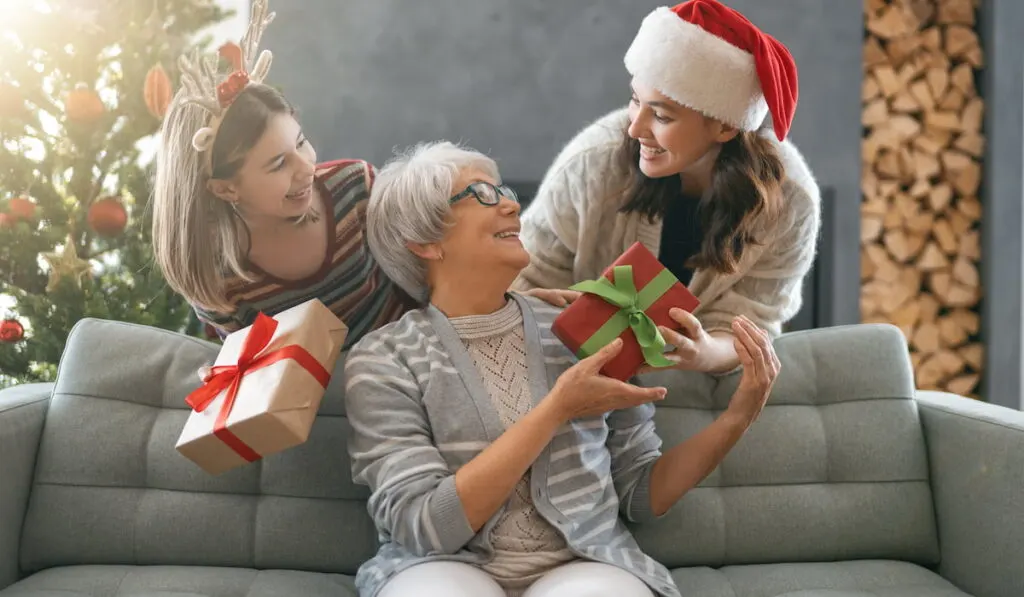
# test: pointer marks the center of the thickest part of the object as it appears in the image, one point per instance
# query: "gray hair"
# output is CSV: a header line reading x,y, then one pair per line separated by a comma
x,y
409,204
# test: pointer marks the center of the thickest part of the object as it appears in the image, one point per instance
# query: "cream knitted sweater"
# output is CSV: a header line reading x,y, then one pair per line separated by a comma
x,y
573,231
525,544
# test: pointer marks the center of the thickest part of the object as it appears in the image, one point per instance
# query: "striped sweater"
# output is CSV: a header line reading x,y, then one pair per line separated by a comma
x,y
419,411
350,282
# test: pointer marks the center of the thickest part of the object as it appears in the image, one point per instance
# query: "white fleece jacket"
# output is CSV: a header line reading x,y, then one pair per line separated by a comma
x,y
573,230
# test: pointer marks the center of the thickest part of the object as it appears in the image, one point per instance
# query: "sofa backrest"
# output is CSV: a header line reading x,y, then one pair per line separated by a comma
x,y
834,468
110,488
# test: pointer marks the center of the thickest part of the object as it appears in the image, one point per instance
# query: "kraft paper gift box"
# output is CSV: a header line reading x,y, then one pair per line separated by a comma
x,y
630,300
264,390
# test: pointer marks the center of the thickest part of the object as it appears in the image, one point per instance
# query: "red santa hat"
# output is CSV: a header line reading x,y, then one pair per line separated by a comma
x,y
710,58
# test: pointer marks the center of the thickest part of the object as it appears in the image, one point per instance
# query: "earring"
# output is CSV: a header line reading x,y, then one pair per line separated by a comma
x,y
440,255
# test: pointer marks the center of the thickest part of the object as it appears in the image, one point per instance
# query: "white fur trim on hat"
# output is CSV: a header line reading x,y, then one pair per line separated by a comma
x,y
697,69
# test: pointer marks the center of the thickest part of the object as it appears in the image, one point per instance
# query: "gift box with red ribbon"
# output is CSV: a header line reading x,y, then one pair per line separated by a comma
x,y
630,300
262,394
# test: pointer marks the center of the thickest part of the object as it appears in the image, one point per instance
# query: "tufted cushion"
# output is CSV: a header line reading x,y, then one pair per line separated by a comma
x,y
871,578
175,581
111,489
834,469
840,579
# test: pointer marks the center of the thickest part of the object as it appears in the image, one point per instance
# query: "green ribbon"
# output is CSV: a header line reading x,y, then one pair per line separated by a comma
x,y
632,305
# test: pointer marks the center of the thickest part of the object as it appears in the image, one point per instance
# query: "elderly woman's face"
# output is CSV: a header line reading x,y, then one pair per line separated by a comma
x,y
484,236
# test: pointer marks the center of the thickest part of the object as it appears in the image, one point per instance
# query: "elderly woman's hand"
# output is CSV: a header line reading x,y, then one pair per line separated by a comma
x,y
582,391
760,368
554,296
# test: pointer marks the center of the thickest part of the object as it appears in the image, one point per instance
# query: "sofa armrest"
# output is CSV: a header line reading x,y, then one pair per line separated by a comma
x,y
22,412
976,456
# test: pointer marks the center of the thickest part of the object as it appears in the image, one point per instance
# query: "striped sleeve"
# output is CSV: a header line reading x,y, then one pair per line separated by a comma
x,y
221,323
634,446
413,497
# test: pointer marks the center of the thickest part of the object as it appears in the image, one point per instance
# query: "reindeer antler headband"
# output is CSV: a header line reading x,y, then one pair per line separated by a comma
x,y
200,76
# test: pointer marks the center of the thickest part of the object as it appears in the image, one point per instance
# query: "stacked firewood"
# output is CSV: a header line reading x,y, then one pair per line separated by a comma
x,y
922,158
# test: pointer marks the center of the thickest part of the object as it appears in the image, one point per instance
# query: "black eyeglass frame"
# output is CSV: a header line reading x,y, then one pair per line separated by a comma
x,y
501,190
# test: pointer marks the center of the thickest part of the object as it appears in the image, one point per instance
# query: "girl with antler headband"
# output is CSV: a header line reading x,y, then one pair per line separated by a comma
x,y
245,219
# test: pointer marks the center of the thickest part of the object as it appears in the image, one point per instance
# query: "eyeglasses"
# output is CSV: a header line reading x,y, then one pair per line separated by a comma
x,y
486,193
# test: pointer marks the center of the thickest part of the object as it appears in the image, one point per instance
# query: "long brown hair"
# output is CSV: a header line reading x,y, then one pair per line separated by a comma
x,y
746,183
196,240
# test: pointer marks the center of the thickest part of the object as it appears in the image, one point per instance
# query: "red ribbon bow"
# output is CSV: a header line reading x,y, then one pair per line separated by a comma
x,y
230,377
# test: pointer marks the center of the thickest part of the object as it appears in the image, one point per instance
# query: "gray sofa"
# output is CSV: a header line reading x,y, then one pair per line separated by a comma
x,y
849,485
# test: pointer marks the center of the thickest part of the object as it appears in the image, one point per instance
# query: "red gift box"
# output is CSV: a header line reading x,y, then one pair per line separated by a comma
x,y
634,296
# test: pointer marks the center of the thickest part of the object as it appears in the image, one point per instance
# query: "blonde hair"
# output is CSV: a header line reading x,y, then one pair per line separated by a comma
x,y
197,237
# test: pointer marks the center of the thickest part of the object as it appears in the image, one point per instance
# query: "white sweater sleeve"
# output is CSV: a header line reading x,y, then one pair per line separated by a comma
x,y
550,230
770,294
558,218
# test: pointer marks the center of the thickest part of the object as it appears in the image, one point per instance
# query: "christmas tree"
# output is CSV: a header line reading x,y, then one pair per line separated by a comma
x,y
83,87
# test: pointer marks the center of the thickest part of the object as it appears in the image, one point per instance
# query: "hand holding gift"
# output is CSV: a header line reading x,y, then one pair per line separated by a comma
x,y
581,392
631,300
263,392
691,343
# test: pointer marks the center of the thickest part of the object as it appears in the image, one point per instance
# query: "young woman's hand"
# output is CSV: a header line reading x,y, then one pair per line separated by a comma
x,y
554,296
761,367
582,391
694,349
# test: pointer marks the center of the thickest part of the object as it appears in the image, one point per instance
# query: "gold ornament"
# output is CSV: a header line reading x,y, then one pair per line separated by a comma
x,y
66,263
157,91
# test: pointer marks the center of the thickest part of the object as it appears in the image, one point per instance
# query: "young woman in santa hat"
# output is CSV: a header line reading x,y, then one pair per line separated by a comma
x,y
691,170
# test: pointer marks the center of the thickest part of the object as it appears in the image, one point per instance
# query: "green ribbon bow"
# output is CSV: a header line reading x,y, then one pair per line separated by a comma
x,y
632,305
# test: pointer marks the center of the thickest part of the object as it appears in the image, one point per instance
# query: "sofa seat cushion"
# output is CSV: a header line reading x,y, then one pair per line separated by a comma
x,y
178,581
869,578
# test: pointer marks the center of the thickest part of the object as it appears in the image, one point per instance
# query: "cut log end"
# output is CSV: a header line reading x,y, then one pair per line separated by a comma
x,y
923,157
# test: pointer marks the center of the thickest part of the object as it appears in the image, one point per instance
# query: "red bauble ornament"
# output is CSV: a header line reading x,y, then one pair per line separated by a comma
x,y
83,105
12,102
107,216
20,208
11,331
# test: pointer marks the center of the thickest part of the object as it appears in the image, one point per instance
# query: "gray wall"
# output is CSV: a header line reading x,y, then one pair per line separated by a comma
x,y
1002,192
517,78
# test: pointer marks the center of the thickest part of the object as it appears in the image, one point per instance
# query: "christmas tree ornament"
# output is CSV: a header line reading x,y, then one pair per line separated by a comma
x,y
66,263
21,208
83,105
199,75
107,216
12,102
11,331
157,91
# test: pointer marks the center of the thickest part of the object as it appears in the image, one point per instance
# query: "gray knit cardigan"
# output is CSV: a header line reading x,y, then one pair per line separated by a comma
x,y
419,411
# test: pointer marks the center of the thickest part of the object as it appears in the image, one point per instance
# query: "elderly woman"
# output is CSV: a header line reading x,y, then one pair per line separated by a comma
x,y
499,465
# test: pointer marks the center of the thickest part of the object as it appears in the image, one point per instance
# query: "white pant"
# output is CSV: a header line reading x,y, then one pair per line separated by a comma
x,y
455,579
